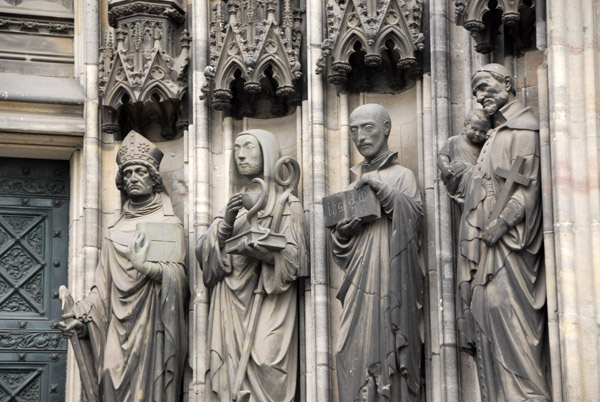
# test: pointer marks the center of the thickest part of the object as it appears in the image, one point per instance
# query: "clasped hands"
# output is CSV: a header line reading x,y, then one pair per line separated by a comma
x,y
350,227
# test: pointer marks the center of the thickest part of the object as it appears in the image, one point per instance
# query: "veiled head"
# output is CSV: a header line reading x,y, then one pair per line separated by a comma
x,y
269,150
248,155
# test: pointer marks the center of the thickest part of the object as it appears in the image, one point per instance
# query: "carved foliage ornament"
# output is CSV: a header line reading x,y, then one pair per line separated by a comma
x,y
33,341
34,187
257,42
382,29
483,17
144,62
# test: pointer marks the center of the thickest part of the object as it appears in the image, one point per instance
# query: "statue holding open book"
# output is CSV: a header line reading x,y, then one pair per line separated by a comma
x,y
250,258
375,240
129,333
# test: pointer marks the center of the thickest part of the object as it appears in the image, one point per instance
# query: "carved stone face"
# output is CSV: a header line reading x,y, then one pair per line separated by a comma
x,y
490,93
369,131
477,130
137,182
248,155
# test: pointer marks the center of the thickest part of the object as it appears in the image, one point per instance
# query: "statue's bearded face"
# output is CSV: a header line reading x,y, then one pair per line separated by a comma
x,y
248,155
490,93
137,181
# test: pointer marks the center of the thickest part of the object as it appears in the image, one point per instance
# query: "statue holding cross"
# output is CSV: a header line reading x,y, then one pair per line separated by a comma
x,y
501,290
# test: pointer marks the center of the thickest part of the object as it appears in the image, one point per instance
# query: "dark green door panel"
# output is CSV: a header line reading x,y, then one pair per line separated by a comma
x,y
34,227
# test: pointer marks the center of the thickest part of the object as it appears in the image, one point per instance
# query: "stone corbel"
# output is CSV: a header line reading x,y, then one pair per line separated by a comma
x,y
369,34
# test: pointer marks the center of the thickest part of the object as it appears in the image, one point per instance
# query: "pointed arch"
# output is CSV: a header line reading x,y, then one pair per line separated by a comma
x,y
403,45
345,45
225,74
114,98
281,74
156,87
475,10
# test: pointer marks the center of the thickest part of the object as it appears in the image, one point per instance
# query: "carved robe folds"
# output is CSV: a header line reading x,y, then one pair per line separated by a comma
x,y
380,339
271,371
137,324
501,288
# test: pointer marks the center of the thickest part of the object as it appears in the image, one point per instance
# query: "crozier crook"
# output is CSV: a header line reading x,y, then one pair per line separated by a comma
x,y
291,183
254,204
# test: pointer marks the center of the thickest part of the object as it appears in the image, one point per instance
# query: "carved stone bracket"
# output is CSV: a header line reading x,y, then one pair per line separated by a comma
x,y
367,34
254,55
143,77
484,17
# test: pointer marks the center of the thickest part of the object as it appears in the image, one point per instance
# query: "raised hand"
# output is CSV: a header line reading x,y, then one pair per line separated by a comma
x,y
138,250
233,207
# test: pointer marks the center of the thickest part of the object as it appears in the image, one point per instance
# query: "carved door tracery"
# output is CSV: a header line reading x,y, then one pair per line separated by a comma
x,y
34,212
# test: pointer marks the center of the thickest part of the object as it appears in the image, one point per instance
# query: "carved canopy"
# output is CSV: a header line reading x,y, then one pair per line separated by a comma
x,y
483,17
146,65
381,29
254,47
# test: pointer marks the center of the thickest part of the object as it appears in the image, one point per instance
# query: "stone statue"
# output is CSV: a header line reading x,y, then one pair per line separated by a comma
x,y
253,279
501,287
133,321
462,151
380,337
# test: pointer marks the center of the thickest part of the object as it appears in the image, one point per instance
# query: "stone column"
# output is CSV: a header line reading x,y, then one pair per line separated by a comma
x,y
91,141
85,168
199,192
318,184
440,267
573,103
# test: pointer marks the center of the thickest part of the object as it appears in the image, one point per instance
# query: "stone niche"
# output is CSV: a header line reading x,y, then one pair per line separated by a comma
x,y
144,87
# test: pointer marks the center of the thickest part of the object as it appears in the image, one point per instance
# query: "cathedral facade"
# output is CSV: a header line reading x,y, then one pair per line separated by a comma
x,y
76,76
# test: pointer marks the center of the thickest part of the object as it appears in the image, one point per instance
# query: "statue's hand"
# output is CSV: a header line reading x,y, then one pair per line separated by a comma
x,y
74,325
494,231
348,228
457,168
233,207
138,250
370,181
446,170
256,251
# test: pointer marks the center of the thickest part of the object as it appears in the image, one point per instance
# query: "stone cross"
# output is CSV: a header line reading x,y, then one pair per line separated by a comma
x,y
512,177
